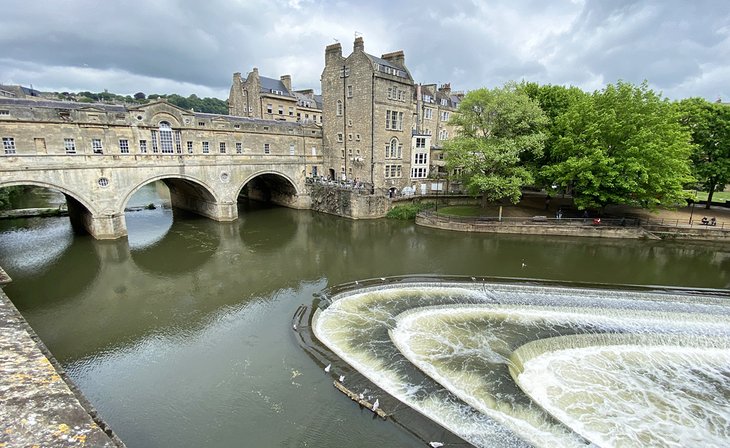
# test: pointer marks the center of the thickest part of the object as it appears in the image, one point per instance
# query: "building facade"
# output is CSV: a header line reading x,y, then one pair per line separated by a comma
x,y
379,126
272,99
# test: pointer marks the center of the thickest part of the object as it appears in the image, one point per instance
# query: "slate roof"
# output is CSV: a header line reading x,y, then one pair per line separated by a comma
x,y
383,63
269,84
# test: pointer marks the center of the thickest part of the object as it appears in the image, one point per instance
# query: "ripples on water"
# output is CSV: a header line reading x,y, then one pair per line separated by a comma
x,y
505,365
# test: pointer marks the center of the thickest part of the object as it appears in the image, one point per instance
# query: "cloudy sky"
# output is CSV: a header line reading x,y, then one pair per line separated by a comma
x,y
682,47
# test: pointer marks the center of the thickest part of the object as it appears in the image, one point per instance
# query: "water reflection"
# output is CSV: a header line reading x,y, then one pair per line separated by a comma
x,y
181,336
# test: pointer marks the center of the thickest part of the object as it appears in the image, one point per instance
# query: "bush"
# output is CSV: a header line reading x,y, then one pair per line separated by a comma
x,y
408,211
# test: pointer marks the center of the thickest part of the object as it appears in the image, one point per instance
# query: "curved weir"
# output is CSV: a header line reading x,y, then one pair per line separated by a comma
x,y
509,364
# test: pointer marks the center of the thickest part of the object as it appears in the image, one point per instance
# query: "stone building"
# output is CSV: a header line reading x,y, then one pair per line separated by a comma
x,y
369,116
380,126
32,127
272,99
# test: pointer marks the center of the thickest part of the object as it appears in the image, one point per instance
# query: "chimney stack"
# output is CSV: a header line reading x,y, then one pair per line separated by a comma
x,y
396,57
359,44
286,80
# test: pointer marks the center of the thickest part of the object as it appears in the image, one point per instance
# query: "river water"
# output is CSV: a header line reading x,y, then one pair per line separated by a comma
x,y
181,334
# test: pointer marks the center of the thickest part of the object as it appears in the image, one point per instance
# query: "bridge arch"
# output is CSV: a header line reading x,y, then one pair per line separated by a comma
x,y
184,189
44,184
270,186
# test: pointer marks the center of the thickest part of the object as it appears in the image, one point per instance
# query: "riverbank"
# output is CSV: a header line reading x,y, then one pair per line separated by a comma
x,y
41,406
528,218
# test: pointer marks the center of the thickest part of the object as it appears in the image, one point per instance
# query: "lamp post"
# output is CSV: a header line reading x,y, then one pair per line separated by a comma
x,y
691,211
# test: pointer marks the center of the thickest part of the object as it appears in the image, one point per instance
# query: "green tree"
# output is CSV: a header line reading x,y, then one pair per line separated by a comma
x,y
497,128
622,145
554,101
709,124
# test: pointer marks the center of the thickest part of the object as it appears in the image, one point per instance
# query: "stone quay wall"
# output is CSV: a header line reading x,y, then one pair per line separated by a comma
x,y
41,405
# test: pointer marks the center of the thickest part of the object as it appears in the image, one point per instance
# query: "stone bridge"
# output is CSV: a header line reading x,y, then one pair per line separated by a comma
x,y
98,187
99,155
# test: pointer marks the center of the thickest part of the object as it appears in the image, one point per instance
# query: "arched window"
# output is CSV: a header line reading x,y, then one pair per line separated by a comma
x,y
393,150
339,107
166,138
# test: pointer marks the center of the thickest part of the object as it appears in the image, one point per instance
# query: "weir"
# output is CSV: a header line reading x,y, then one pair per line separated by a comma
x,y
455,352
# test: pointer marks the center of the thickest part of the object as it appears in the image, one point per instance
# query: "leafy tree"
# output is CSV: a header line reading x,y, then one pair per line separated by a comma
x,y
497,128
554,101
622,145
709,124
139,96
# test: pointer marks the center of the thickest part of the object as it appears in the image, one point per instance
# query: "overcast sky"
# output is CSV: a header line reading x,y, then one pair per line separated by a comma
x,y
682,47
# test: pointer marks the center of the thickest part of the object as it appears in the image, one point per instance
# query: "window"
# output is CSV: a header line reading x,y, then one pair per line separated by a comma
x,y
236,126
201,123
349,91
4,112
69,145
178,142
206,147
339,137
357,137
444,102
239,148
292,149
9,145
281,110
444,116
222,147
427,98
190,147
419,158
339,108
269,108
427,113
154,141
418,173
393,150
299,116
443,134
420,142
124,146
291,111
267,148
96,147
142,146
393,171
393,120
165,138
314,151
349,136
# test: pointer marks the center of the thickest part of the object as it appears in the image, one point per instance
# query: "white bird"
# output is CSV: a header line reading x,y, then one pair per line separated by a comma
x,y
361,396
294,326
376,405
342,378
523,265
436,444
327,369
473,279
382,278
356,282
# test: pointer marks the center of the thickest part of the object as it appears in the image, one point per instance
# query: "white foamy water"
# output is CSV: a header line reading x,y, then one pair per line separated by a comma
x,y
449,351
636,395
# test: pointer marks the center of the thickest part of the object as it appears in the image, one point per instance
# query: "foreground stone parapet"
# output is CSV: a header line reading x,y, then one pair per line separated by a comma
x,y
39,407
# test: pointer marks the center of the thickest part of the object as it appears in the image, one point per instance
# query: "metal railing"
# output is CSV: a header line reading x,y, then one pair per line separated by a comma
x,y
588,222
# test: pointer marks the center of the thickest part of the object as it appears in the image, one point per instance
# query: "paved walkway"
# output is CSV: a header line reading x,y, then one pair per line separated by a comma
x,y
38,408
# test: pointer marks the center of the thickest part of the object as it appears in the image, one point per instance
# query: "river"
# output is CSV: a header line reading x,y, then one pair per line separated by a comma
x,y
181,334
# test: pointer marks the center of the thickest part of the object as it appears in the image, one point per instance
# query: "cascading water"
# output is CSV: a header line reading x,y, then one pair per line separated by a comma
x,y
509,364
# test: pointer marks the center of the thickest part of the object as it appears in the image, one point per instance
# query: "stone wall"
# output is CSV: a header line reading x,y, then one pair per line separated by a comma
x,y
347,203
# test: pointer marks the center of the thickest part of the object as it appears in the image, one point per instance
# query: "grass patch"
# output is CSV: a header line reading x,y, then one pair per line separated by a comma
x,y
719,196
408,211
